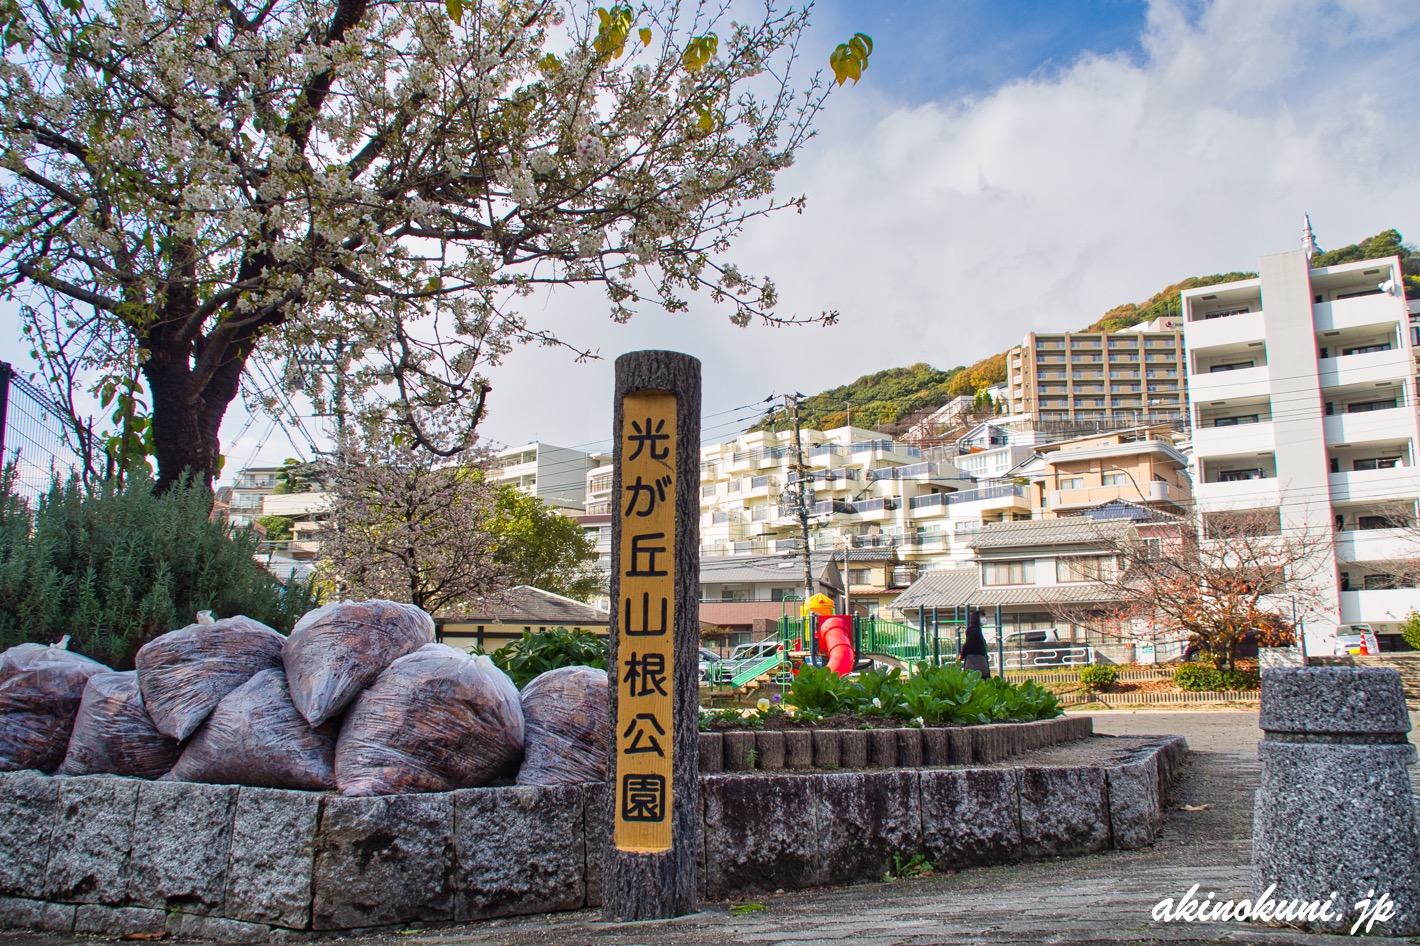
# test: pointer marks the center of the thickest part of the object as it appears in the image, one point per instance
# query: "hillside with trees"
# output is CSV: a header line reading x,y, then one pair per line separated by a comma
x,y
892,400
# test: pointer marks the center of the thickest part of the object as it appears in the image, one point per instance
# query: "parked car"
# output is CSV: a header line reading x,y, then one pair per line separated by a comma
x,y
1353,638
709,661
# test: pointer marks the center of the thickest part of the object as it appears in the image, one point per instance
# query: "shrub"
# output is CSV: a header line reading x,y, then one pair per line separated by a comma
x,y
1410,629
1207,678
537,652
118,566
1098,677
945,694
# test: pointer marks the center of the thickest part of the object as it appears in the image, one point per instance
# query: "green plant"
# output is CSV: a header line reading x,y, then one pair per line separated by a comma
x,y
915,866
819,691
1098,677
1198,677
117,565
1410,629
278,528
537,652
740,909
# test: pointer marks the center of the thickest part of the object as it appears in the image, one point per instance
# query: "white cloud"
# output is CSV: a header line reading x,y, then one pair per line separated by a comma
x,y
945,232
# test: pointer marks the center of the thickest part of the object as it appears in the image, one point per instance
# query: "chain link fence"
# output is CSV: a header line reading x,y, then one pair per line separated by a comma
x,y
36,436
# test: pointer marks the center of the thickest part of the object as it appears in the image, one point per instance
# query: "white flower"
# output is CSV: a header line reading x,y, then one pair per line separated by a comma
x,y
920,721
877,703
762,705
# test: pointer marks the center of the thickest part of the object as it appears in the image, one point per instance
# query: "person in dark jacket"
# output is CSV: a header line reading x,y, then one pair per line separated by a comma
x,y
973,646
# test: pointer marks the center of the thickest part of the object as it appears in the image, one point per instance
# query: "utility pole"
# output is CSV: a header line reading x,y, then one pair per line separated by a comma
x,y
801,494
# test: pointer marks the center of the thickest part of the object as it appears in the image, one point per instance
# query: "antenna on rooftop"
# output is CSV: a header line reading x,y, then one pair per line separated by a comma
x,y
1308,237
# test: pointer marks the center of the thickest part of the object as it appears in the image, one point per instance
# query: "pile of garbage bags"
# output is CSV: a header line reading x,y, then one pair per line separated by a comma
x,y
358,699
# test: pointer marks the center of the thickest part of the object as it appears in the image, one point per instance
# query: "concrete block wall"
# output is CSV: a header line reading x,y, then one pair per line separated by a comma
x,y
114,856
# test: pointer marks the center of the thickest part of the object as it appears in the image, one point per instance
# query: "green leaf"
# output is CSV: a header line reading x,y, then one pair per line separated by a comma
x,y
455,10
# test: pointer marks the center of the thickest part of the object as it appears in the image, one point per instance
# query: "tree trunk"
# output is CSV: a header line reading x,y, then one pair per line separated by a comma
x,y
187,419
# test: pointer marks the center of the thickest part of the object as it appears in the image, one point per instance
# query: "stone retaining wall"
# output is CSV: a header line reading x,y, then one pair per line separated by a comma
x,y
114,856
797,749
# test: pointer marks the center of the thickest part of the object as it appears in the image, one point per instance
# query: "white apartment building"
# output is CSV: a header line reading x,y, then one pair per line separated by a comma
x,y
250,487
556,475
1302,387
867,491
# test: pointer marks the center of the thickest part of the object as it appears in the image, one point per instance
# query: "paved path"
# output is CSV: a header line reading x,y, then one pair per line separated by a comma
x,y
1101,899
1105,898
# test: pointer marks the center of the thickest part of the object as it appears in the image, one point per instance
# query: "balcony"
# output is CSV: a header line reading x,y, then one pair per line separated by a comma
x,y
1223,385
1377,545
985,493
1401,482
1230,330
1378,607
1386,424
1242,494
1367,368
877,510
1234,440
1153,492
1359,312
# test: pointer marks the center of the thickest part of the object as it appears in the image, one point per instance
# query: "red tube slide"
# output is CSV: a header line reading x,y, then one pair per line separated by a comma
x,y
835,639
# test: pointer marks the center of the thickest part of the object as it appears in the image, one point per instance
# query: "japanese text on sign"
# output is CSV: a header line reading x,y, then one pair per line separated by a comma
x,y
646,623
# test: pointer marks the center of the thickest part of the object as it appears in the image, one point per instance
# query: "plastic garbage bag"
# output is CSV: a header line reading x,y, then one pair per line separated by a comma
x,y
40,691
565,714
256,737
114,734
185,673
437,719
336,651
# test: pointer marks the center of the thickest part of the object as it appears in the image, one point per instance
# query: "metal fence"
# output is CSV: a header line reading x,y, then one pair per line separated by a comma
x,y
36,436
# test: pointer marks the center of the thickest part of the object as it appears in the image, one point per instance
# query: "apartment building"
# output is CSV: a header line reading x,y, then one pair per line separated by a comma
x,y
556,475
1141,466
1302,385
865,491
1134,376
250,487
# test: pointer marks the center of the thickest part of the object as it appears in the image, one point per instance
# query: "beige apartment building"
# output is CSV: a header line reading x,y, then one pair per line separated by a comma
x,y
1132,377
1142,466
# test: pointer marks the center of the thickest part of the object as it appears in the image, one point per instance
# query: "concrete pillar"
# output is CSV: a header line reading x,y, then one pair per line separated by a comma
x,y
1335,817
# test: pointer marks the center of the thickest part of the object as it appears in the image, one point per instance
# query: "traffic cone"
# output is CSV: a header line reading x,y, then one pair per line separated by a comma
x,y
1363,652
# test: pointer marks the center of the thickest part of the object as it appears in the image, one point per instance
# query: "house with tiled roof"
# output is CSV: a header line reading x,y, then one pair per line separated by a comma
x,y
1031,576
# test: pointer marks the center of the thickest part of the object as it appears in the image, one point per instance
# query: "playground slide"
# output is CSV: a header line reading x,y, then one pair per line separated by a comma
x,y
835,639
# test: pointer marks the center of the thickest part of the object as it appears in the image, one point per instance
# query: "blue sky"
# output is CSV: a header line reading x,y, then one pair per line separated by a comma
x,y
930,51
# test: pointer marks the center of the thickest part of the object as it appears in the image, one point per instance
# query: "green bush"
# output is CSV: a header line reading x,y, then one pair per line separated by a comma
x,y
1098,677
945,694
1410,629
118,566
536,652
1199,678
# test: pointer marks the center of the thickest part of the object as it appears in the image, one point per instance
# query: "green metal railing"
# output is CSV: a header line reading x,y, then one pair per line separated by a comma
x,y
755,670
903,642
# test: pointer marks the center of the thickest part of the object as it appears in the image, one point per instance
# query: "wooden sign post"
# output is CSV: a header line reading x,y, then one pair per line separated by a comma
x,y
654,772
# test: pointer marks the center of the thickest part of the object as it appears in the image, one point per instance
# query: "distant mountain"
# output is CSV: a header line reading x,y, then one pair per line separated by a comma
x,y
893,400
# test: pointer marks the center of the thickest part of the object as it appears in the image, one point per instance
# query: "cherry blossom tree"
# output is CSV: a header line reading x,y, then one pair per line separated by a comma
x,y
408,525
189,188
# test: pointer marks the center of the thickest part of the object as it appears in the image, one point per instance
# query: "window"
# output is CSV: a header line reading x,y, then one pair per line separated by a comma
x,y
1362,407
1379,582
1373,522
1008,573
1230,366
1235,476
860,576
1084,568
1366,349
1073,482
1376,463
1113,479
779,594
1235,421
